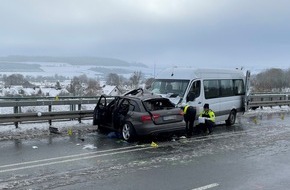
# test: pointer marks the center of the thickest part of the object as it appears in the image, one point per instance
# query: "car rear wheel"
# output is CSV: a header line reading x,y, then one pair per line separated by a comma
x,y
128,132
232,118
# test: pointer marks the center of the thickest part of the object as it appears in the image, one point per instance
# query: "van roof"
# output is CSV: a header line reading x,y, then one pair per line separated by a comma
x,y
191,73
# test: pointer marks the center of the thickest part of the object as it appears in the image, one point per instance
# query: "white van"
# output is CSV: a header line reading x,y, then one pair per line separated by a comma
x,y
223,90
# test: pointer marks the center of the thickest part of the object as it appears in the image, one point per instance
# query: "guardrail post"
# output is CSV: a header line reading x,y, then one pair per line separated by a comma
x,y
49,110
72,108
79,108
16,111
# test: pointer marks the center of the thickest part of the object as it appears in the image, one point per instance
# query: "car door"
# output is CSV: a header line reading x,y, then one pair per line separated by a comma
x,y
119,112
100,111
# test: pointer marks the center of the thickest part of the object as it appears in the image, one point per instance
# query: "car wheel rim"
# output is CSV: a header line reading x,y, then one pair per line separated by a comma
x,y
126,131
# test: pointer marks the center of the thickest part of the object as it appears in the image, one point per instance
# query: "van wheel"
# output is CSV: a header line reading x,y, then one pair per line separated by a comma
x,y
232,118
128,132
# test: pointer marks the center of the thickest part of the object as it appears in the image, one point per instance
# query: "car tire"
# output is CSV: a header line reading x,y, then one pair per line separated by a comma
x,y
232,118
128,132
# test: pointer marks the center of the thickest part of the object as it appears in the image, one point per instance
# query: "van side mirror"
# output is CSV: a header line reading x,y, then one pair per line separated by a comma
x,y
190,96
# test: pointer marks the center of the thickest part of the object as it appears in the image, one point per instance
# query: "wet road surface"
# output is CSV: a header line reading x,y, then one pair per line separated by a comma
x,y
253,154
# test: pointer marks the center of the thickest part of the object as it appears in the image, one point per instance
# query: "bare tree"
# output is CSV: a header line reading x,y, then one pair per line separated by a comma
x,y
148,82
136,78
14,79
76,87
57,85
287,78
83,78
113,79
271,79
93,88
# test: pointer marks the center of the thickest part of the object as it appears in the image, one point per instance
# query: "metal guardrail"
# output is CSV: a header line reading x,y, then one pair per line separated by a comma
x,y
73,111
268,100
75,105
49,116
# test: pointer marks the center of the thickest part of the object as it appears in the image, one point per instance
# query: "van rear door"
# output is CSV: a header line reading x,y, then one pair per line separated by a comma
x,y
247,90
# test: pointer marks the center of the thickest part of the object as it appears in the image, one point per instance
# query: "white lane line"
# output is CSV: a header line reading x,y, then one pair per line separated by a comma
x,y
70,156
72,160
207,186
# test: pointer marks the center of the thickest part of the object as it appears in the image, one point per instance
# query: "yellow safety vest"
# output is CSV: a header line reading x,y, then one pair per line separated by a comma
x,y
185,109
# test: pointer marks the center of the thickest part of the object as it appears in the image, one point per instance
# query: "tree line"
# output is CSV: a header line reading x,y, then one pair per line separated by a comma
x,y
271,80
79,85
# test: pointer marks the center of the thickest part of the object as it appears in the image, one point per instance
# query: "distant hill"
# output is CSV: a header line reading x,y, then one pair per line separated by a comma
x,y
19,67
96,61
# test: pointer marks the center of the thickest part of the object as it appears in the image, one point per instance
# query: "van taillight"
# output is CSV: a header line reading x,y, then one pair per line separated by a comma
x,y
148,117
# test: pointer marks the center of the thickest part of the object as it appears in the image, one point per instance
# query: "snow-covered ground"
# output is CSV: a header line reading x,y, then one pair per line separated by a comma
x,y
35,130
41,129
268,110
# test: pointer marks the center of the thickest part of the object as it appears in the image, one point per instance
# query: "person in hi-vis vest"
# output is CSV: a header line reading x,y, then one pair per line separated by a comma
x,y
208,117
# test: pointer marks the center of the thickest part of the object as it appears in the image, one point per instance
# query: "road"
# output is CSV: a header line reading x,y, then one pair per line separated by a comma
x,y
253,154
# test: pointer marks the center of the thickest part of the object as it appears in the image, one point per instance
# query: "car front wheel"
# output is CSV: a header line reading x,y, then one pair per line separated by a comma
x,y
128,132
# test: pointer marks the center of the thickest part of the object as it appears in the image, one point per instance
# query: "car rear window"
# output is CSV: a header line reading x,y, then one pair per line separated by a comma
x,y
158,104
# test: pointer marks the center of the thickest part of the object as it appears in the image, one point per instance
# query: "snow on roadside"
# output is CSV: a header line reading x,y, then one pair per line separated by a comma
x,y
41,129
267,110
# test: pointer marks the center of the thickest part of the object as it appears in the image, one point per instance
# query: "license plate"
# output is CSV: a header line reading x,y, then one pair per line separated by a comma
x,y
171,117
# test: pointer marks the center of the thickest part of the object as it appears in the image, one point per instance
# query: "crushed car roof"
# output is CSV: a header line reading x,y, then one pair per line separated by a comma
x,y
142,94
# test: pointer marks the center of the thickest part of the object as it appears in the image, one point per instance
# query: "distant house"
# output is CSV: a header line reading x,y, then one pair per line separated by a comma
x,y
110,90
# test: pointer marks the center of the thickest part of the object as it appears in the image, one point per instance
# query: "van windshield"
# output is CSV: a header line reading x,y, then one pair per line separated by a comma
x,y
166,86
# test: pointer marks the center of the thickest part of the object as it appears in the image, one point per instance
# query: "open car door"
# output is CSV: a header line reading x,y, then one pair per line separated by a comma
x,y
247,90
99,111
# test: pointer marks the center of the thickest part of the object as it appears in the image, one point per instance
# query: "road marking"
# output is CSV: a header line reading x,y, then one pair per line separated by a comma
x,y
72,158
207,186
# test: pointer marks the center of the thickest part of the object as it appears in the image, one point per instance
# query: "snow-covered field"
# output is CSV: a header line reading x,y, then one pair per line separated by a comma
x,y
68,70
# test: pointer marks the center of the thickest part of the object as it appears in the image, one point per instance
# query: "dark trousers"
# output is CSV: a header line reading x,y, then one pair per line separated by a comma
x,y
189,118
207,125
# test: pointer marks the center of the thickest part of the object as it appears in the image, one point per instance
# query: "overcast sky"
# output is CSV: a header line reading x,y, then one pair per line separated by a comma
x,y
254,34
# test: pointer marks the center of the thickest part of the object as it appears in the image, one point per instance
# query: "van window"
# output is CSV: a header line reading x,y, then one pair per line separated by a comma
x,y
239,88
211,89
195,89
223,88
227,88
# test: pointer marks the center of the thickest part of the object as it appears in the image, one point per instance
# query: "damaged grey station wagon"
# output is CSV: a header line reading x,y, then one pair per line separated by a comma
x,y
138,113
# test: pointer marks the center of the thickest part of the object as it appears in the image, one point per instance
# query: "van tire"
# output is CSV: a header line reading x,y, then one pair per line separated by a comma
x,y
232,118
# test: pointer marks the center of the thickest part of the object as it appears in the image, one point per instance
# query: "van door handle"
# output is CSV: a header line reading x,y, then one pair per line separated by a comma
x,y
199,102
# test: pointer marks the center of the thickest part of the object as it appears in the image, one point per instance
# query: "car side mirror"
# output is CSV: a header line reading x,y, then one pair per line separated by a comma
x,y
190,96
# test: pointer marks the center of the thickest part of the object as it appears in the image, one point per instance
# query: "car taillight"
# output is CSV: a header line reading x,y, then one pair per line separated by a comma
x,y
148,117
181,112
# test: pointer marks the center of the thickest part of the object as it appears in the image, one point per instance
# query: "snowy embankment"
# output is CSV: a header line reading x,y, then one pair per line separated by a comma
x,y
40,129
267,110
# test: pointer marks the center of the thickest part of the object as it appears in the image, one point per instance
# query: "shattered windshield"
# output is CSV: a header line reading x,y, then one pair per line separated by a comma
x,y
165,86
158,104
